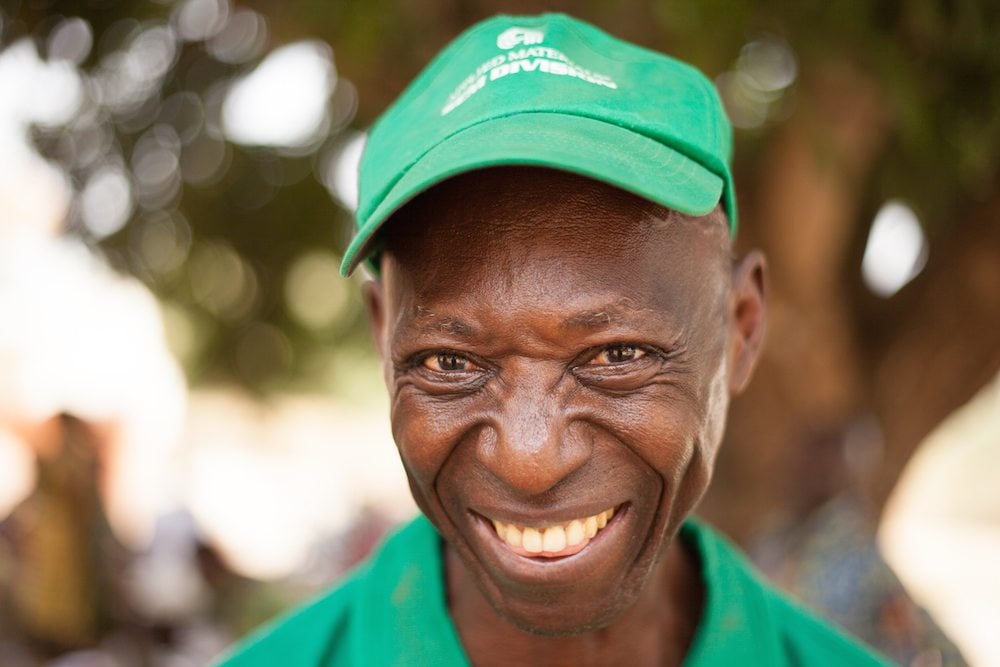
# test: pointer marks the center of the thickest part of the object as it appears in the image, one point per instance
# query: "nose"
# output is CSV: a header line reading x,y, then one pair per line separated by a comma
x,y
535,441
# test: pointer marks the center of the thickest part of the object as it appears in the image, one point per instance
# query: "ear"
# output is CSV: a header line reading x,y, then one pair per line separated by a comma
x,y
374,298
747,318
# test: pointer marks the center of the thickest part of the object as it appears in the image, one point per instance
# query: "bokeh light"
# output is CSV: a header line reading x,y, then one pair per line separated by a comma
x,y
162,241
221,280
340,169
128,78
106,200
49,92
198,20
283,101
755,87
242,38
70,40
896,251
314,292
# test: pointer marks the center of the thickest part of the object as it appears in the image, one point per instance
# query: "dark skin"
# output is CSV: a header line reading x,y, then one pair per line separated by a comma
x,y
555,347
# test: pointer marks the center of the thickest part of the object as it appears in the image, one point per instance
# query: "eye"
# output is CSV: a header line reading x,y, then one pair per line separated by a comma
x,y
448,362
617,354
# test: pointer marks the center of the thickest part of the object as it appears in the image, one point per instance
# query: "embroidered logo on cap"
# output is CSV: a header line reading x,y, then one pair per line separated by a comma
x,y
512,37
530,58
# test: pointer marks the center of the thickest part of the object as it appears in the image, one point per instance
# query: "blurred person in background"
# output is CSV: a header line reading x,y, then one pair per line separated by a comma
x,y
548,212
61,589
824,548
91,409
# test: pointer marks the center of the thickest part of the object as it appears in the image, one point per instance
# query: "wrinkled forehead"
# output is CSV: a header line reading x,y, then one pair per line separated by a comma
x,y
507,216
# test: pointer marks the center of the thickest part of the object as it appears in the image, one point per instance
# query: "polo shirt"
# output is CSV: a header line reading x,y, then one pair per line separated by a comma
x,y
392,611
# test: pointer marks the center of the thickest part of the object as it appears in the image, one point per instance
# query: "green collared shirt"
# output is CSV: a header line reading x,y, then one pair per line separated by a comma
x,y
392,611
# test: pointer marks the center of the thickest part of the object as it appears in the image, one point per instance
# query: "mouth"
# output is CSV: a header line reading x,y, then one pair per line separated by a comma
x,y
554,540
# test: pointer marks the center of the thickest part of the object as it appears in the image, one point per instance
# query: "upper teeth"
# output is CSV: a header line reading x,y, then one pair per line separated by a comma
x,y
552,538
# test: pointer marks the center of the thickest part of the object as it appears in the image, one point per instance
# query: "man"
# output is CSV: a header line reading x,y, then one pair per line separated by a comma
x,y
549,214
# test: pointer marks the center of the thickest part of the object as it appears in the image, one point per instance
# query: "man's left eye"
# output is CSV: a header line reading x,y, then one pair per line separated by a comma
x,y
617,354
445,362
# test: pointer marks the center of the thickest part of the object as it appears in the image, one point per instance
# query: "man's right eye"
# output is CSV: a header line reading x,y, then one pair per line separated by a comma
x,y
448,362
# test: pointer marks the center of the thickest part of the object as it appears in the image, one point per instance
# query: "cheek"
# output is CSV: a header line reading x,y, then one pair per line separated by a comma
x,y
710,400
676,432
426,432
657,428
707,423
717,408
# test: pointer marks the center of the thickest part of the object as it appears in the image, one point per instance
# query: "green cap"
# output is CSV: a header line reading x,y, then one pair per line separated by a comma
x,y
556,92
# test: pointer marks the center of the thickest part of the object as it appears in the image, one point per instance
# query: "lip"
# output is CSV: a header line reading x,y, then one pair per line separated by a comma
x,y
565,566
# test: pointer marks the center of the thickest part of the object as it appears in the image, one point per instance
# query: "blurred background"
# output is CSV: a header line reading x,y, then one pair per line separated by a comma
x,y
193,432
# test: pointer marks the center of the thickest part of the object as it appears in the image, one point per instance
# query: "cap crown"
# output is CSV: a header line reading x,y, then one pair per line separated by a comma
x,y
513,73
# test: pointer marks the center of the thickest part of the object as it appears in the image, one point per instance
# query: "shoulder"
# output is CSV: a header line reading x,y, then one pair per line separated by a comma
x,y
748,621
327,629
304,636
808,640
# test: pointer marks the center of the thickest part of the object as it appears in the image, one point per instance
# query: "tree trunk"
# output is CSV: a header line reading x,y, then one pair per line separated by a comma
x,y
831,356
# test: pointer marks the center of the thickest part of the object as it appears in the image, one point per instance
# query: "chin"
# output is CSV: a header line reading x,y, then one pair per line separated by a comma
x,y
552,620
556,614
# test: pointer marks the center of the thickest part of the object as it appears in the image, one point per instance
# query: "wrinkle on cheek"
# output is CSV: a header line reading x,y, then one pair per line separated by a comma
x,y
678,430
676,388
427,431
701,411
657,433
692,483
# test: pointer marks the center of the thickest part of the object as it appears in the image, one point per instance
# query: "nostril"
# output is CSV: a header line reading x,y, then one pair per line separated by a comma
x,y
533,458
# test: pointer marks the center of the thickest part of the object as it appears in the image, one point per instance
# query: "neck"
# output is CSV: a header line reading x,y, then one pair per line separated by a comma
x,y
657,630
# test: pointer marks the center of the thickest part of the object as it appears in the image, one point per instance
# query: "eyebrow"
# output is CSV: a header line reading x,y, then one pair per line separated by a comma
x,y
593,319
431,323
452,326
621,313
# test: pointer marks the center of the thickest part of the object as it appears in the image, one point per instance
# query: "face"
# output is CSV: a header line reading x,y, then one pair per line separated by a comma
x,y
559,356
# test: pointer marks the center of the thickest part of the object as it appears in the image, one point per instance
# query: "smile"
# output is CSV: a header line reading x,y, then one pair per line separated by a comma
x,y
554,541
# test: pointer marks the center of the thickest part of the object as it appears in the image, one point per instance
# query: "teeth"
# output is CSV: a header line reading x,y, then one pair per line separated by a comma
x,y
574,533
531,540
553,538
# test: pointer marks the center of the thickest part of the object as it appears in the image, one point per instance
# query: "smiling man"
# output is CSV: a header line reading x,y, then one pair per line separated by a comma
x,y
549,213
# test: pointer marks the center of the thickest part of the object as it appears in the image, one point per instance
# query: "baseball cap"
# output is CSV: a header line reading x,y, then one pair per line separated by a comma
x,y
550,91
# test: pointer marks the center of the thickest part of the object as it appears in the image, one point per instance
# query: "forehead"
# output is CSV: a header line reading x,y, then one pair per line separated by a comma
x,y
517,258
501,219
509,253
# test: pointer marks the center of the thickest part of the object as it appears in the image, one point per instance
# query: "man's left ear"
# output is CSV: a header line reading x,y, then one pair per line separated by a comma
x,y
747,317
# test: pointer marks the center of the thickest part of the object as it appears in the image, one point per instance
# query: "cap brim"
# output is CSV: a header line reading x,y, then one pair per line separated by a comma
x,y
582,145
